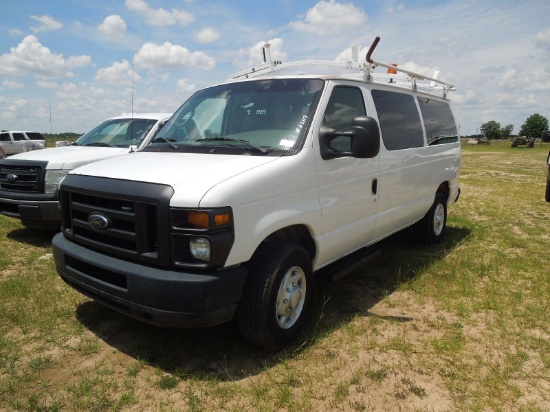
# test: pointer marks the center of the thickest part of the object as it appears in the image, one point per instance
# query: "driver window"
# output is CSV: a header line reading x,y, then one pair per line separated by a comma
x,y
345,104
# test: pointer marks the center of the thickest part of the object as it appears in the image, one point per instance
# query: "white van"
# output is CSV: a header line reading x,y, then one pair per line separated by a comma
x,y
253,190
29,181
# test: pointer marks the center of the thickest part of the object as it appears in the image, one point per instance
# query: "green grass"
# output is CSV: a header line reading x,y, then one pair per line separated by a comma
x,y
459,326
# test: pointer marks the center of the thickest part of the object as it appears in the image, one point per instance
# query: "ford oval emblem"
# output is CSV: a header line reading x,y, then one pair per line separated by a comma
x,y
11,178
98,221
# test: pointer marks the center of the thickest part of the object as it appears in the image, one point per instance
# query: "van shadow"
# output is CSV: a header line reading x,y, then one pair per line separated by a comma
x,y
219,353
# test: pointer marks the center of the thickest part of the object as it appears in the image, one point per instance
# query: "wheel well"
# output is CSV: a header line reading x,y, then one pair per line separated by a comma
x,y
444,188
298,234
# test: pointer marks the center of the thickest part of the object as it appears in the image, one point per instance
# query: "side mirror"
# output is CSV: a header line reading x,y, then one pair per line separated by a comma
x,y
364,136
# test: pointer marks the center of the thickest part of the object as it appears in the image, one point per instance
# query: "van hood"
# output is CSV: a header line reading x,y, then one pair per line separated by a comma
x,y
194,173
70,157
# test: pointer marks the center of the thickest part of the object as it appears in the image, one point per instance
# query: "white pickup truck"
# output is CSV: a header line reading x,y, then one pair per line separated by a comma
x,y
14,142
29,181
254,190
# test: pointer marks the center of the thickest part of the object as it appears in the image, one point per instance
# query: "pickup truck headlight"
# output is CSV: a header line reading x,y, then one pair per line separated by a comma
x,y
53,179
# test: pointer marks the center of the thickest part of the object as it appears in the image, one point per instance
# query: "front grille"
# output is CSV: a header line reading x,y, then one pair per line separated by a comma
x,y
127,218
136,215
21,178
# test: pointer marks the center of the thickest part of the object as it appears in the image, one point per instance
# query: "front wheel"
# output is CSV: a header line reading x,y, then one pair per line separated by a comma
x,y
432,226
277,294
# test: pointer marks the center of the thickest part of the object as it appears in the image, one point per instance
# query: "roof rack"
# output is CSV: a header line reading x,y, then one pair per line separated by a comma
x,y
365,70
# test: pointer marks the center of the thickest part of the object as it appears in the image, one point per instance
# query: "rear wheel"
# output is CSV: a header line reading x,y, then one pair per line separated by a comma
x,y
432,226
276,296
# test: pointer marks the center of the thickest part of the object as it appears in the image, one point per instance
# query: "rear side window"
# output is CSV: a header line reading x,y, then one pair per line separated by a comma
x,y
399,120
18,136
438,120
35,136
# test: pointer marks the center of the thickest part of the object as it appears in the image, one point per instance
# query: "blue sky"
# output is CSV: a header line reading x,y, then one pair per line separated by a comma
x,y
80,60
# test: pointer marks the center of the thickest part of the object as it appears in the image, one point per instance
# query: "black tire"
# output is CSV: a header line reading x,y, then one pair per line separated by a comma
x,y
276,296
547,196
432,226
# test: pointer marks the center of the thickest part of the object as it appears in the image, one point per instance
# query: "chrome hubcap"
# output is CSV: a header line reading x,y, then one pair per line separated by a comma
x,y
291,297
439,219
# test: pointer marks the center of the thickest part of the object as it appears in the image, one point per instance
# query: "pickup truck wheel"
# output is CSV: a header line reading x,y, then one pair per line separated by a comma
x,y
276,296
432,226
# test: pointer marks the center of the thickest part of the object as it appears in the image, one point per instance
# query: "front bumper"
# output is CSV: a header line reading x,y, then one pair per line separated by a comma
x,y
42,212
157,296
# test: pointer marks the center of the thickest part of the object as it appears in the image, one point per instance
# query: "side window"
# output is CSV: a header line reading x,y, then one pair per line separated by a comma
x,y
4,137
345,104
399,120
18,137
35,136
438,120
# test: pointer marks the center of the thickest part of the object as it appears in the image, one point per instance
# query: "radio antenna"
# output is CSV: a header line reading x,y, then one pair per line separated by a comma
x,y
132,113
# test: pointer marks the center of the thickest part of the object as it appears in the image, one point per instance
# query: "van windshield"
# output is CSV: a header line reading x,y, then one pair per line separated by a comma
x,y
254,117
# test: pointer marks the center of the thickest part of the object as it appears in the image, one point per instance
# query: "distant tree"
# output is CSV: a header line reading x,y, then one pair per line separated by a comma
x,y
507,131
534,126
491,129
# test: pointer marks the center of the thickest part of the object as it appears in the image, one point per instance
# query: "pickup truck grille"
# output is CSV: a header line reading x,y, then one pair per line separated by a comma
x,y
133,217
21,178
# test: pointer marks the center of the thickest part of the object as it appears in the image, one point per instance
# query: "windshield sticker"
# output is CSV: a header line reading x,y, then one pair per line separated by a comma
x,y
302,123
287,141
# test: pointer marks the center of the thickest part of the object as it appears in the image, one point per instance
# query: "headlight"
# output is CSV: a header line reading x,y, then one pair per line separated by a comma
x,y
199,248
53,179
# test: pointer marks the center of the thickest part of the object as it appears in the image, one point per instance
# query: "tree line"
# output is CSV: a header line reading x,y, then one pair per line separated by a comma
x,y
534,126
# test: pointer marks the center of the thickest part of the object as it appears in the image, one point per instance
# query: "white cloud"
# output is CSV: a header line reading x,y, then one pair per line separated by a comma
x,y
543,39
347,56
47,23
207,35
254,55
183,86
395,8
78,62
11,109
113,25
15,33
160,17
120,73
42,84
169,56
31,57
328,17
9,84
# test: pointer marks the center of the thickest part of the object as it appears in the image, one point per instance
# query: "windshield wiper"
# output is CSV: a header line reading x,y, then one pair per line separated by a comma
x,y
164,139
228,139
100,144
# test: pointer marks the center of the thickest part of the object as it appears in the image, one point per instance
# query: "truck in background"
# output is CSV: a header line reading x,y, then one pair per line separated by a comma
x,y
29,181
14,142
